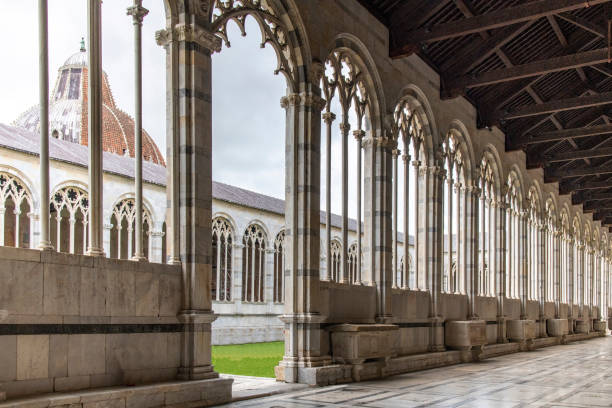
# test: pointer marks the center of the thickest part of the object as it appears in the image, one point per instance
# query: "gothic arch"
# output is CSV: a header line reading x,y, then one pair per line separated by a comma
x,y
491,157
415,101
467,149
350,46
535,195
280,26
269,237
25,181
232,222
146,206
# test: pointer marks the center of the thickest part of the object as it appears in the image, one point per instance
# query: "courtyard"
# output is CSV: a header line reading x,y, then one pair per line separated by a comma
x,y
561,376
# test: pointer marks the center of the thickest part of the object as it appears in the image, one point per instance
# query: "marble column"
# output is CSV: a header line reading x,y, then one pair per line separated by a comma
x,y
557,240
406,247
44,241
524,283
500,273
328,117
168,39
378,147
94,126
359,135
237,274
449,222
472,257
416,164
34,224
303,347
344,132
155,245
107,238
543,232
396,284
192,118
434,239
138,13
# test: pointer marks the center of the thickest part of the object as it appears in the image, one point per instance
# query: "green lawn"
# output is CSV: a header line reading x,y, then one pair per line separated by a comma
x,y
255,359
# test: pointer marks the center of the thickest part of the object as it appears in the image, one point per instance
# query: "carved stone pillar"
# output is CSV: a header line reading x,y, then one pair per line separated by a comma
x,y
434,239
543,237
501,273
237,273
304,349
190,47
472,261
378,220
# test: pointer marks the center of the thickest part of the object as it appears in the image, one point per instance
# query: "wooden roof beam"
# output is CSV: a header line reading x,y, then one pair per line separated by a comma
x,y
556,135
484,22
457,86
585,24
579,154
559,105
596,205
567,186
551,174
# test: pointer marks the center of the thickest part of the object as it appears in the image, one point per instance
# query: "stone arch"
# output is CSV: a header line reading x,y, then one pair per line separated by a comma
x,y
280,26
222,258
232,221
146,206
491,156
348,45
535,196
122,230
16,207
25,181
467,149
255,243
414,98
265,229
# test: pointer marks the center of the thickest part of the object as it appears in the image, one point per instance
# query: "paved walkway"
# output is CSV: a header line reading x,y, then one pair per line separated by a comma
x,y
575,375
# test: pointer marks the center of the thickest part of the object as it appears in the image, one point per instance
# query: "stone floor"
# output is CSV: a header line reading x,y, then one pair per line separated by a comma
x,y
575,375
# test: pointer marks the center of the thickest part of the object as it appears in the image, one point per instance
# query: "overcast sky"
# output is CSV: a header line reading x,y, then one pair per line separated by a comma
x,y
248,122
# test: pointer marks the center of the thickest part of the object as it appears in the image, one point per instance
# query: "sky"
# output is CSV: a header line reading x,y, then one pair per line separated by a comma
x,y
248,121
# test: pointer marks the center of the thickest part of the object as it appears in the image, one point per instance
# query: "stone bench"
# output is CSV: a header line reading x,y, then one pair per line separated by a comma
x,y
469,336
557,327
523,332
356,344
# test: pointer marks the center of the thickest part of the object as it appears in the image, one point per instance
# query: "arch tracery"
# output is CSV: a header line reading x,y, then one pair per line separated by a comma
x,y
16,205
253,261
223,261
122,238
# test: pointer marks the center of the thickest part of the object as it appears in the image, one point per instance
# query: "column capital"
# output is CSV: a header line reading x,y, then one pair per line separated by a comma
x,y
359,134
328,117
406,158
137,12
190,33
344,127
108,226
305,99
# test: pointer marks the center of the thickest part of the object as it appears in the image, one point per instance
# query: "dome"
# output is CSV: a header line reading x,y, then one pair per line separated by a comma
x,y
68,113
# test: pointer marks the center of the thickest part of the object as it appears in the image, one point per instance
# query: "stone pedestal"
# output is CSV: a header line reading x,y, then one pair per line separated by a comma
x,y
355,344
582,326
610,323
466,335
523,332
570,325
557,327
599,326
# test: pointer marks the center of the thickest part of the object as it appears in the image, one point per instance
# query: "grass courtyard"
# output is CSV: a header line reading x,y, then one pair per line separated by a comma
x,y
255,359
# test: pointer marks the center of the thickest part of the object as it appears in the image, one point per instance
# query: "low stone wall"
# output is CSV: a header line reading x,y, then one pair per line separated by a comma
x,y
241,329
74,322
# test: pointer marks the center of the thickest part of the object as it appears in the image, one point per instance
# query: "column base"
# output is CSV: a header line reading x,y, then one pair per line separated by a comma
x,y
139,259
196,373
437,333
95,252
45,246
502,330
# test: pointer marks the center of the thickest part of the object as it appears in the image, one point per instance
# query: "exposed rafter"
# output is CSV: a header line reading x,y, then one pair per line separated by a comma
x,y
579,154
458,85
558,105
494,19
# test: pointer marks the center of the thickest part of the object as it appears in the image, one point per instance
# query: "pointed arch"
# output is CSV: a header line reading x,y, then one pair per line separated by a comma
x,y
222,259
255,243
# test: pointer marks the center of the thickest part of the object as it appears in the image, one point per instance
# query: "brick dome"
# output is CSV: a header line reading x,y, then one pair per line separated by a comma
x,y
68,113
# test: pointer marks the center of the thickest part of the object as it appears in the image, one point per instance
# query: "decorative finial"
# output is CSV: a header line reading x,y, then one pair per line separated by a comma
x,y
83,44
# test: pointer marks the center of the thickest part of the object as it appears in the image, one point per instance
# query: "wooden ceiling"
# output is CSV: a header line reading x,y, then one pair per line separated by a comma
x,y
537,69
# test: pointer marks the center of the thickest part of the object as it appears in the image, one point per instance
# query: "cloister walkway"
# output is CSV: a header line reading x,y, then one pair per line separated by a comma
x,y
560,376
